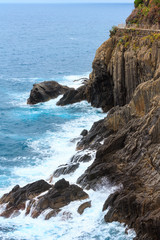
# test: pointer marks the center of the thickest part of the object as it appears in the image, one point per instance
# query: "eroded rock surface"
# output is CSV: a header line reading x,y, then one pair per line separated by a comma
x,y
73,96
45,91
130,157
57,196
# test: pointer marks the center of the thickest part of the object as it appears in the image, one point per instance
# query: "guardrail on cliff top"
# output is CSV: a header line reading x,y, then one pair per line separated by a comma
x,y
140,27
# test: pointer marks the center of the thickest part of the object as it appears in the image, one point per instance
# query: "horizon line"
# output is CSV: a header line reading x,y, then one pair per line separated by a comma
x,y
66,3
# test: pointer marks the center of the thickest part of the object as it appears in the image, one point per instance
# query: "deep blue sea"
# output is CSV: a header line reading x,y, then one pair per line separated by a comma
x,y
50,42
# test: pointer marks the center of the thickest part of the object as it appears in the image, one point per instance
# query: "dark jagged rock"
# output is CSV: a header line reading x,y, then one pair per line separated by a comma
x,y
73,96
80,157
84,133
45,91
72,166
57,196
127,59
66,169
130,158
18,196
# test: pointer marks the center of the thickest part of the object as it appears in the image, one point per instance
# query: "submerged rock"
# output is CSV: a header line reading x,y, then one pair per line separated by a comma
x,y
83,206
45,91
57,196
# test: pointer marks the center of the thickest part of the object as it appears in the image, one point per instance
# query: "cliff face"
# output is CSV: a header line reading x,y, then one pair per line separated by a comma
x,y
126,76
127,59
130,157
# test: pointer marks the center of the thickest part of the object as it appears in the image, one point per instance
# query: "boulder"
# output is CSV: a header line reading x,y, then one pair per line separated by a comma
x,y
84,133
83,206
44,91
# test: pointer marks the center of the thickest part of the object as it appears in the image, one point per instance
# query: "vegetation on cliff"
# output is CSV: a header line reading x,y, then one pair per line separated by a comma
x,y
126,81
145,14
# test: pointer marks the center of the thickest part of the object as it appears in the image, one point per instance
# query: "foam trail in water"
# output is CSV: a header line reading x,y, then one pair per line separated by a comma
x,y
75,81
69,224
54,149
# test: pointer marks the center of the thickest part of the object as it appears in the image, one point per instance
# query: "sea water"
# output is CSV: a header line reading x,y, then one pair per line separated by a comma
x,y
50,42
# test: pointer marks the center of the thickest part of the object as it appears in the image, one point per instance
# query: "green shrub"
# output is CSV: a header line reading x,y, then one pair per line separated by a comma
x,y
113,31
137,2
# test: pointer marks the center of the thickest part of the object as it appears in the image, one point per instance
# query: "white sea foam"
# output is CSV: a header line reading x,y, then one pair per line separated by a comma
x,y
57,148
75,80
90,225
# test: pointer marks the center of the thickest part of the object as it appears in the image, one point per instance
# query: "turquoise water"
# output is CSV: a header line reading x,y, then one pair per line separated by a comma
x,y
50,42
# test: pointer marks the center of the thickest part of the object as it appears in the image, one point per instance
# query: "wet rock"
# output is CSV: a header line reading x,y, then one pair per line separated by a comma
x,y
57,196
73,96
83,206
66,169
18,196
84,133
51,214
44,91
61,184
130,158
80,157
72,166
92,140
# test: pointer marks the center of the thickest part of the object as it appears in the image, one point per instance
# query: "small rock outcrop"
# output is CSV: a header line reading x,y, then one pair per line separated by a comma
x,y
83,206
45,91
72,166
57,196
73,96
18,196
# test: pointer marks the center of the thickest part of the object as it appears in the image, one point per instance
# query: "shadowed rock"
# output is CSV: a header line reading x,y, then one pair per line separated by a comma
x,y
66,169
58,196
17,197
130,157
45,91
73,96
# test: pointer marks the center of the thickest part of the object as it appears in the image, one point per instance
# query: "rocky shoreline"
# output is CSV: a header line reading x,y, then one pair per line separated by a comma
x,y
126,82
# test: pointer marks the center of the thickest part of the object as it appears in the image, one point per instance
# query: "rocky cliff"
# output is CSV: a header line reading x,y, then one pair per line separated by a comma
x,y
130,157
126,81
146,14
128,58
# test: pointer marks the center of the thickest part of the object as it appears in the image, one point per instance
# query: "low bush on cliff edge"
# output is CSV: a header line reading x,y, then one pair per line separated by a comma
x,y
137,2
113,31
146,12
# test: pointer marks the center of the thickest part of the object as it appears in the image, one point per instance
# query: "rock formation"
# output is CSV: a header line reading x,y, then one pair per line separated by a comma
x,y
73,96
57,196
128,58
126,82
45,91
130,157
